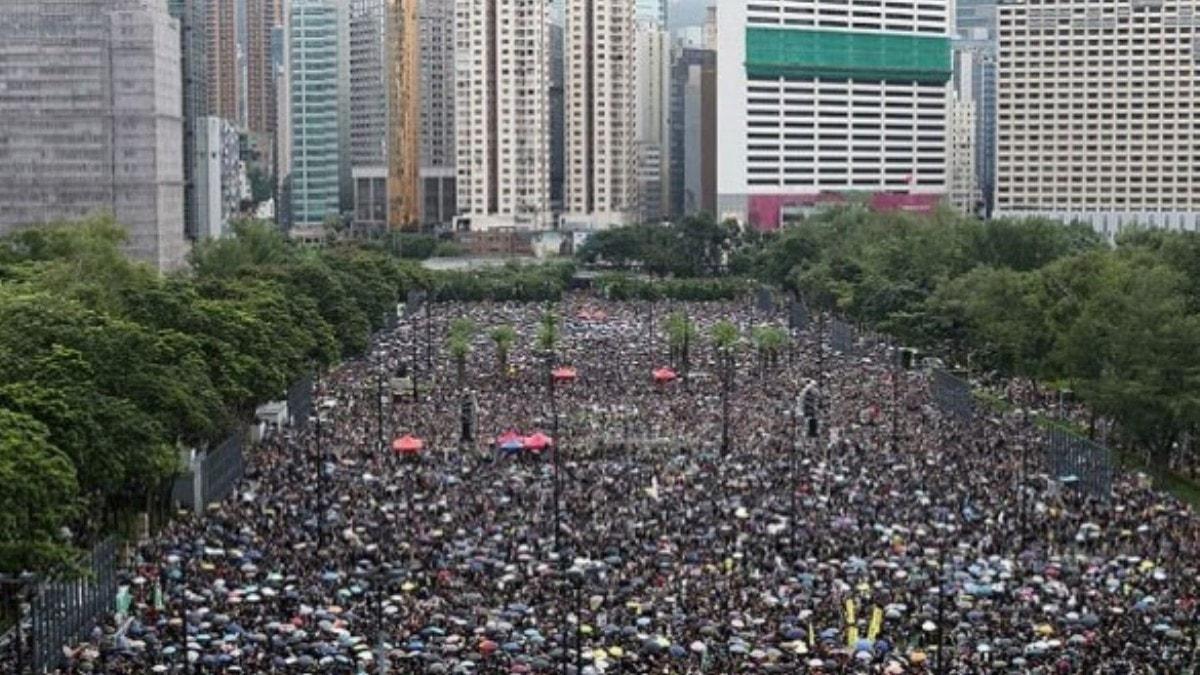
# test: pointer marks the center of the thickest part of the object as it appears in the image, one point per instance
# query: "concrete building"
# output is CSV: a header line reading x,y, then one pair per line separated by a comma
x,y
194,66
369,112
654,11
602,154
220,176
439,194
558,119
822,97
976,23
90,114
652,63
502,114
314,69
221,51
693,132
1097,107
963,191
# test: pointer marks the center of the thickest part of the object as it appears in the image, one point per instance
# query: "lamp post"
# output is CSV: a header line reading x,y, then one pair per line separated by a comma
x,y
320,472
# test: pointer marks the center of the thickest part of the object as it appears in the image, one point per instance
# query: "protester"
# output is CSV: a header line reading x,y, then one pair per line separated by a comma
x,y
787,554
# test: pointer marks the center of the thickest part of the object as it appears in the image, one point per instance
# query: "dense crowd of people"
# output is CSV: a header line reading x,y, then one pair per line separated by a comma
x,y
899,540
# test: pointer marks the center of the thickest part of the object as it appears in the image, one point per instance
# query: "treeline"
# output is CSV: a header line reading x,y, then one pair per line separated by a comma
x,y
109,368
1119,325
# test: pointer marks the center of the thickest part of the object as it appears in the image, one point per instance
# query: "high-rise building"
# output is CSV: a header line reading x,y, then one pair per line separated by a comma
x,y
693,132
261,20
314,69
976,22
368,112
219,175
653,10
652,62
963,178
404,114
1097,107
558,119
823,97
221,50
502,114
439,200
90,114
194,65
602,157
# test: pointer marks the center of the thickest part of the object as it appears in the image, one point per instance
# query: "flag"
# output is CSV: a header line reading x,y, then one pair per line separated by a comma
x,y
876,624
812,636
850,611
852,637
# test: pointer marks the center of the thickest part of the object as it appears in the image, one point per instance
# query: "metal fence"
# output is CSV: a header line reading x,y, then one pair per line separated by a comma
x,y
841,337
221,468
764,300
798,316
64,610
1076,461
952,394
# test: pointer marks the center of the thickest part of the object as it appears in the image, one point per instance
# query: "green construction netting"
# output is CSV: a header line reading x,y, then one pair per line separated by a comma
x,y
789,52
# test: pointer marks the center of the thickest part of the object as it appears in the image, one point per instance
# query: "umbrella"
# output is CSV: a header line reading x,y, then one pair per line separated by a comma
x,y
563,374
664,375
538,442
408,445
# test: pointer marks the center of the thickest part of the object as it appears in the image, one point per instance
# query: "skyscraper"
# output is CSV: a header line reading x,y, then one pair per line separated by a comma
x,y
502,114
368,112
602,156
221,51
693,132
653,10
976,22
652,59
314,33
822,98
104,132
261,20
1097,109
962,125
403,70
439,201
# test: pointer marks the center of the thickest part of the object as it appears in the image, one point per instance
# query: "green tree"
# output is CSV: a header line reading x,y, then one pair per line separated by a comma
x,y
503,337
39,496
725,339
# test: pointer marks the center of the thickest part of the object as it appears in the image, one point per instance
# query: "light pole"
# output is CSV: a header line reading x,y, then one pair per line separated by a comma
x,y
320,471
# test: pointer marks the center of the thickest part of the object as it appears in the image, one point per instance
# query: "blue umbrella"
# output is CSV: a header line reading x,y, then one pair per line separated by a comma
x,y
512,446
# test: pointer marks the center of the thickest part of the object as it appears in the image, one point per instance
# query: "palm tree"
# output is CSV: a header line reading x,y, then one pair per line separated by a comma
x,y
768,342
504,337
462,332
681,332
725,339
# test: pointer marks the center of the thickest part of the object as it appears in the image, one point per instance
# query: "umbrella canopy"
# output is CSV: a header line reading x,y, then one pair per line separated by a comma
x,y
538,442
408,445
563,374
664,375
508,437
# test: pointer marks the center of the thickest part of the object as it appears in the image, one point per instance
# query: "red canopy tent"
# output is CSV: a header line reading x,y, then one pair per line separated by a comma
x,y
563,374
408,445
538,442
664,375
508,438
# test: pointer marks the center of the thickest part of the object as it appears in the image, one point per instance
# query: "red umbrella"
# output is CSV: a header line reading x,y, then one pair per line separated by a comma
x,y
508,437
563,374
538,442
664,375
408,445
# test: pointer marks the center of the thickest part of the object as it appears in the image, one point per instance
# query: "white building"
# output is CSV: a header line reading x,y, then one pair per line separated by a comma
x,y
821,97
602,156
1097,106
653,79
220,176
964,190
502,114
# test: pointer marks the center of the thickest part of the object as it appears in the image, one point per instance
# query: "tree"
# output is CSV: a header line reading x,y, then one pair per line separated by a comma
x,y
39,497
681,334
725,339
503,337
462,332
769,342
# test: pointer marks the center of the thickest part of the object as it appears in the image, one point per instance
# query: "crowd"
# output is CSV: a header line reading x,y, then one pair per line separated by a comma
x,y
900,540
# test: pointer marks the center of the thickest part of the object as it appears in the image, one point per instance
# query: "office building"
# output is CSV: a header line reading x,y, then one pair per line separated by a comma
x,y
963,178
976,22
652,63
369,112
194,66
602,157
314,68
693,132
654,11
502,114
558,119
106,139
822,98
1097,109
439,194
220,175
